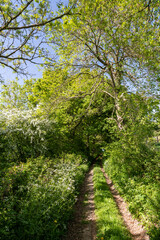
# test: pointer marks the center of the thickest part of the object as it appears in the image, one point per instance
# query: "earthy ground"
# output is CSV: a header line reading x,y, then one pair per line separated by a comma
x,y
83,225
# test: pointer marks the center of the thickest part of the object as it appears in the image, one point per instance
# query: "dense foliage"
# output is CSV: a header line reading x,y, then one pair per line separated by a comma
x,y
135,172
98,98
37,197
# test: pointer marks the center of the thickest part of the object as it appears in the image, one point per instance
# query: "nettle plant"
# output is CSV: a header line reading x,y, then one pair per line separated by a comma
x,y
23,134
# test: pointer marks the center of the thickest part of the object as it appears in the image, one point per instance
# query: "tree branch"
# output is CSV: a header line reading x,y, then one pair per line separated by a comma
x,y
16,16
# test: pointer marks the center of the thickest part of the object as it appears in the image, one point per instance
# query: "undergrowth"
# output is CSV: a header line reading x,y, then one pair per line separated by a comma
x,y
37,197
140,191
109,222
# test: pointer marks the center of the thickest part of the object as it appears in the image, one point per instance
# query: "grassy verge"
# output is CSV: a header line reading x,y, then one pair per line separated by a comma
x,y
109,222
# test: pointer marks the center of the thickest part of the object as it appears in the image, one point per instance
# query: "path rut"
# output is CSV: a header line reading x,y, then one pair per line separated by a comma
x,y
83,226
135,228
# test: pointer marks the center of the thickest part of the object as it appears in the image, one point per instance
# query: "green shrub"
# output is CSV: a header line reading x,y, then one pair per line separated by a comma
x,y
141,191
38,196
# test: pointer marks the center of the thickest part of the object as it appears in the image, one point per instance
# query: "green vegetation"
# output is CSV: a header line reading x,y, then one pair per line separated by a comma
x,y
98,99
23,25
37,197
141,191
109,222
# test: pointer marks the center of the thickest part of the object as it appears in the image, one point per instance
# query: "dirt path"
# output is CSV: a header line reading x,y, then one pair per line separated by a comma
x,y
135,228
83,226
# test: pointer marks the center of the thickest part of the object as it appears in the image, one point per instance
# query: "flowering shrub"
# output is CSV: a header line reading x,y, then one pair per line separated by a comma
x,y
24,134
38,197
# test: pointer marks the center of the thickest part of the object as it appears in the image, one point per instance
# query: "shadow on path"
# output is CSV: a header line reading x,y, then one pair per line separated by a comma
x,y
83,225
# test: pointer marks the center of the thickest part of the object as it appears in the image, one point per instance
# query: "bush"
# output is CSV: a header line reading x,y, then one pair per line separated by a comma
x,y
24,134
141,191
38,197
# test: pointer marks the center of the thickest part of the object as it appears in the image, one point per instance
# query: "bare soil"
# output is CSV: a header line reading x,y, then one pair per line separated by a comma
x,y
83,226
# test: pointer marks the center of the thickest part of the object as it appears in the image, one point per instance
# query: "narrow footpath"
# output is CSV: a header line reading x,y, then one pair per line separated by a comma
x,y
83,226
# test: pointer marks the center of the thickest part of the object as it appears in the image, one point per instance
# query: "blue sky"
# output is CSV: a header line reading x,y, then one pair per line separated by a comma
x,y
7,74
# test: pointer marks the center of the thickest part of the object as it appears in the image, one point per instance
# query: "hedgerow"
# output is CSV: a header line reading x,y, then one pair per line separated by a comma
x,y
37,197
135,173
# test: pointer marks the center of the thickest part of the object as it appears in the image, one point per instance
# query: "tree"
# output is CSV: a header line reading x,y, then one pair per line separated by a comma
x,y
12,95
22,27
119,39
84,121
